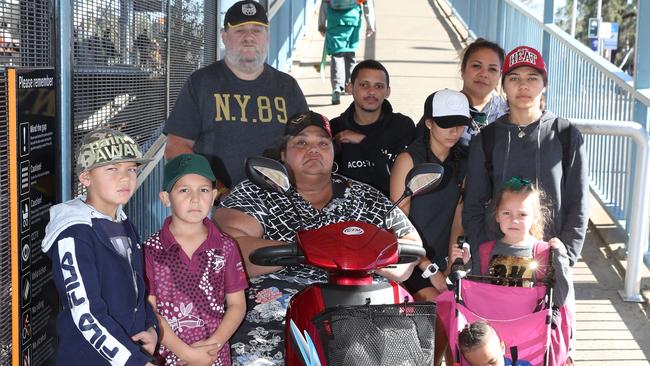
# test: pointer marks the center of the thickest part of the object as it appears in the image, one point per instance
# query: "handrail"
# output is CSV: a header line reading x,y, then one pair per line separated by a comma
x,y
275,7
522,8
616,74
155,153
620,77
639,205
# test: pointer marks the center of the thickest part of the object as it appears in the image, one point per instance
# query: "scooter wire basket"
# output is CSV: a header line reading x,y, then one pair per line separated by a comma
x,y
378,335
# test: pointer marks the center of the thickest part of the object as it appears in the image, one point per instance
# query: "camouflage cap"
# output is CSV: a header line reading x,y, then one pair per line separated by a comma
x,y
105,146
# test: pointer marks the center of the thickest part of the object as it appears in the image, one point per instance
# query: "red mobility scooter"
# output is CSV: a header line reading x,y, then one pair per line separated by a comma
x,y
351,319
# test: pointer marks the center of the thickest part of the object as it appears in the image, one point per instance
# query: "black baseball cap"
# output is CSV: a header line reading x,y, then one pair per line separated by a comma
x,y
245,12
294,126
300,121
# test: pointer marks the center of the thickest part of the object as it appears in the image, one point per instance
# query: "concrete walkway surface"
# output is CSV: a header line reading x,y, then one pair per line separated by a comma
x,y
420,47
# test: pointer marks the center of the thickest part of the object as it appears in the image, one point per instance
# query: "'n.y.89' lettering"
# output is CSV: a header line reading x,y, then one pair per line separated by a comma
x,y
232,107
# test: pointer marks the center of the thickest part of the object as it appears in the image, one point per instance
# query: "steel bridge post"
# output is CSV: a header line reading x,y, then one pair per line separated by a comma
x,y
641,64
549,7
64,21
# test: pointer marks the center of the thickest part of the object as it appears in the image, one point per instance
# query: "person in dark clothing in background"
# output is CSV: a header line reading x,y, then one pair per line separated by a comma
x,y
108,48
370,134
144,47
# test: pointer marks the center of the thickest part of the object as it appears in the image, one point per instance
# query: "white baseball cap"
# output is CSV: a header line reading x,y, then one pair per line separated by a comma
x,y
448,108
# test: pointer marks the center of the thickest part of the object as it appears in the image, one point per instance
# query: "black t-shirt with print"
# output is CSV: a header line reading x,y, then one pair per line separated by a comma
x,y
230,119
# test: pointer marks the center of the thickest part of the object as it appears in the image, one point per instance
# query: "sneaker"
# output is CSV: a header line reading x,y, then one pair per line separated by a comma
x,y
336,97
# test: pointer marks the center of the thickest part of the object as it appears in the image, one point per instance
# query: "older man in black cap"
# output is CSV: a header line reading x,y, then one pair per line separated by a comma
x,y
237,106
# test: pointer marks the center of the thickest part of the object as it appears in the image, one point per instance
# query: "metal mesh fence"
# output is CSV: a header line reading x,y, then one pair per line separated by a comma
x,y
121,77
378,335
193,36
25,41
25,33
5,248
131,59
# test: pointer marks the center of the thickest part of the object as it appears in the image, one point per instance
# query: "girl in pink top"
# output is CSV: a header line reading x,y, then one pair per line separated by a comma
x,y
521,254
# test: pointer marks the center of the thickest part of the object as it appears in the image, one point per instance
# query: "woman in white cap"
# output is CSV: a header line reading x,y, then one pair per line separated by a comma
x,y
446,114
436,215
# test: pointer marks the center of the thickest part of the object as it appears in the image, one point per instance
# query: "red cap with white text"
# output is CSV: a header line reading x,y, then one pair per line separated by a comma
x,y
524,56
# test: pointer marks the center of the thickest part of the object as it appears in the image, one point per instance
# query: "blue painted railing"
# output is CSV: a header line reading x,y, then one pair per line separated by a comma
x,y
288,19
581,85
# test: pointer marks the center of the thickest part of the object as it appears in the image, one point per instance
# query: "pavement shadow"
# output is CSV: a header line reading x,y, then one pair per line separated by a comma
x,y
454,34
600,309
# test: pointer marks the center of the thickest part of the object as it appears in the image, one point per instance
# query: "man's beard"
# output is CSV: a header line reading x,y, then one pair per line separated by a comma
x,y
248,64
370,110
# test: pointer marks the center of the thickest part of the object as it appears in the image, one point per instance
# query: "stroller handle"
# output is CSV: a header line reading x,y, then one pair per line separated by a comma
x,y
277,255
410,253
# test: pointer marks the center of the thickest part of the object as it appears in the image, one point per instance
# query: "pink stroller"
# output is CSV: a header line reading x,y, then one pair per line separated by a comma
x,y
534,331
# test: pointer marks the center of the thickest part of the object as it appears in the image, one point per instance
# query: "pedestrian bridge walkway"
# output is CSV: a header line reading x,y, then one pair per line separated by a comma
x,y
420,43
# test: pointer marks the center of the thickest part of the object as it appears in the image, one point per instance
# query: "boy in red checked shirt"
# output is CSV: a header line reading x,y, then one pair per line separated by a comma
x,y
191,268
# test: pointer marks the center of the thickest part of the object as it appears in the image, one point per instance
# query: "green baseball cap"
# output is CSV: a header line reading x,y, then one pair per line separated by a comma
x,y
185,164
105,146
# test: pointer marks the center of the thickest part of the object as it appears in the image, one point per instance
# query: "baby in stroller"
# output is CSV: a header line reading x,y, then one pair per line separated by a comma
x,y
480,345
527,277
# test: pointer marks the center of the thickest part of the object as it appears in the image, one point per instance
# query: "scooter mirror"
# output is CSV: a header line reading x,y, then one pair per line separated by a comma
x,y
423,178
268,174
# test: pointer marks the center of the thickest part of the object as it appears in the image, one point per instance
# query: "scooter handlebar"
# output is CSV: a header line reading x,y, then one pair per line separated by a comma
x,y
410,253
277,255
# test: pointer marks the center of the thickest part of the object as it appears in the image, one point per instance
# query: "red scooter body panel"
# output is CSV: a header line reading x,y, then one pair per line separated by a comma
x,y
303,307
350,252
331,246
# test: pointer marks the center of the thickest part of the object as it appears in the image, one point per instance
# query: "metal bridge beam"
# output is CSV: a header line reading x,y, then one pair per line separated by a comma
x,y
64,21
546,37
641,64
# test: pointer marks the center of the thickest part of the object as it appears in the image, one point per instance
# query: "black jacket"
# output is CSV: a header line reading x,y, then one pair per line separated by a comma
x,y
370,160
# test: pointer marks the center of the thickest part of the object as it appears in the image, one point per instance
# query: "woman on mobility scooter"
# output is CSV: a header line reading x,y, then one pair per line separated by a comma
x,y
257,218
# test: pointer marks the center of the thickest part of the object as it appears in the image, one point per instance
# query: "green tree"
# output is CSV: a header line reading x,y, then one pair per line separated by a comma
x,y
619,11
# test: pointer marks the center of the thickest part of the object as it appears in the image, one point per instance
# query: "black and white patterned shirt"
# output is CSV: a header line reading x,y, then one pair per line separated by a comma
x,y
268,295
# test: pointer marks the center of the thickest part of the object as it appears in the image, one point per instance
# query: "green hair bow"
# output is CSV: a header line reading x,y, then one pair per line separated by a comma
x,y
516,183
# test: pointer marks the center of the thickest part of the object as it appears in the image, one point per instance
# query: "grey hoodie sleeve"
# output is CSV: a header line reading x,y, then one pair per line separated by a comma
x,y
478,191
575,198
563,287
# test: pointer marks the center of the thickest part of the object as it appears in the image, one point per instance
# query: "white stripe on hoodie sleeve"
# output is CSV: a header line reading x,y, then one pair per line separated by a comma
x,y
77,298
